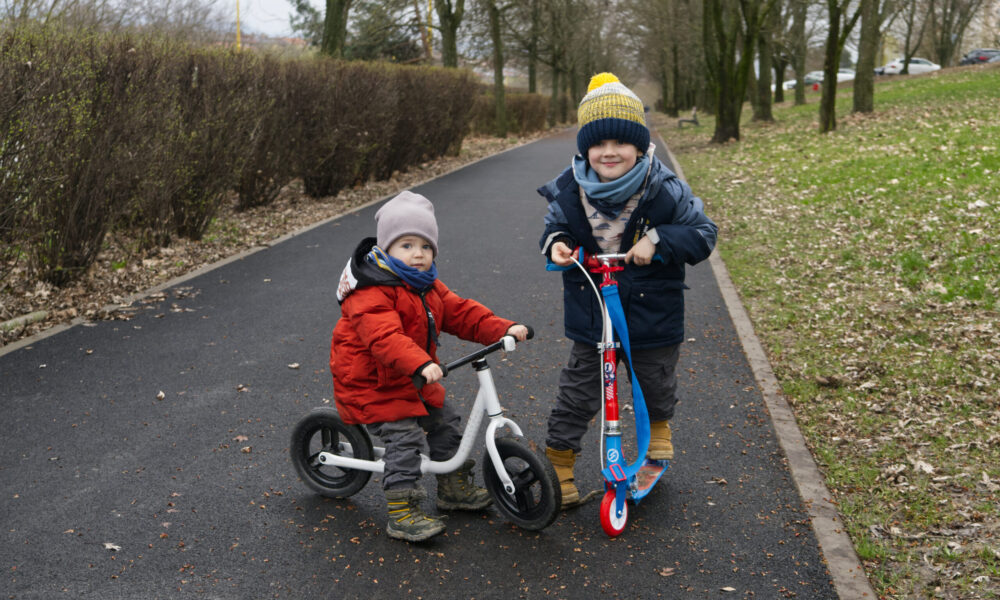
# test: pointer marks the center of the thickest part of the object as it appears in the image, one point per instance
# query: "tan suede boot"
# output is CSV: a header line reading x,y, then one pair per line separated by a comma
x,y
660,447
563,461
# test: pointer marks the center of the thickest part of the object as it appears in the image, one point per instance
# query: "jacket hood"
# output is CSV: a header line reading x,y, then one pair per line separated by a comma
x,y
359,273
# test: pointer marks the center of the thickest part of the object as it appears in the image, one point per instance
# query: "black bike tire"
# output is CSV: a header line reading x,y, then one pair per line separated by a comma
x,y
537,495
329,481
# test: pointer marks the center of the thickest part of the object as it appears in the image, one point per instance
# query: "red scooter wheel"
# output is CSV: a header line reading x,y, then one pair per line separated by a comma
x,y
612,524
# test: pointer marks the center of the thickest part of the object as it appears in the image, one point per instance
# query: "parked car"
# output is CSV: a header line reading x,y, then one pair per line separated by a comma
x,y
979,56
995,59
917,66
845,74
813,77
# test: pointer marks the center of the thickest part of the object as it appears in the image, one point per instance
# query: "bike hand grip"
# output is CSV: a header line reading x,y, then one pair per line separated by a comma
x,y
419,381
531,332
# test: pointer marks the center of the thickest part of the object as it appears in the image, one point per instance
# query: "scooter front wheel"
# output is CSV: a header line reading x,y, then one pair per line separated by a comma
x,y
537,496
322,431
612,523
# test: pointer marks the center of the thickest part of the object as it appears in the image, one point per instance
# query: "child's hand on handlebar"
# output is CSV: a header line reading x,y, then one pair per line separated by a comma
x,y
520,332
640,254
432,373
562,254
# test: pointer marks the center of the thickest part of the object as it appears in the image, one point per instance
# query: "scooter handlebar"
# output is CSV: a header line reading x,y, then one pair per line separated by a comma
x,y
551,266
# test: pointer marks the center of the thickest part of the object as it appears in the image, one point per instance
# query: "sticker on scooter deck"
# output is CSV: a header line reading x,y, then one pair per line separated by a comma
x,y
648,475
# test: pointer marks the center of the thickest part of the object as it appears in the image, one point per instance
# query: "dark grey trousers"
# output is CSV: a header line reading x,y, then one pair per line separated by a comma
x,y
405,439
580,395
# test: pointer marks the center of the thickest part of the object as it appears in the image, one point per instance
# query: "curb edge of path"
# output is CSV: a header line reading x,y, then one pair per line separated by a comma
x,y
849,578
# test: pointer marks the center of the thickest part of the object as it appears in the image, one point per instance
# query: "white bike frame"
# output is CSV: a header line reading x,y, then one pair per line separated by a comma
x,y
487,402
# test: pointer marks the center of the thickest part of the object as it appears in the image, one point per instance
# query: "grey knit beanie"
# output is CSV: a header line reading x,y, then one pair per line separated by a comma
x,y
406,214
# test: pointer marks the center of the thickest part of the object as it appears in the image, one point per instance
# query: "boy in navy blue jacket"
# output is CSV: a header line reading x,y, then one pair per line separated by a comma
x,y
618,197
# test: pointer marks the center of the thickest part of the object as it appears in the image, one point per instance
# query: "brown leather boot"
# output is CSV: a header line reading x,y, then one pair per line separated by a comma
x,y
563,461
660,446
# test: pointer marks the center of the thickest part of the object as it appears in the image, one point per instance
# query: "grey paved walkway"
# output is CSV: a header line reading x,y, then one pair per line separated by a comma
x,y
109,491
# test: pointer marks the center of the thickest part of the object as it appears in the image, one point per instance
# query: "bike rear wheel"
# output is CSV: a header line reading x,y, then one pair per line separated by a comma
x,y
322,431
537,496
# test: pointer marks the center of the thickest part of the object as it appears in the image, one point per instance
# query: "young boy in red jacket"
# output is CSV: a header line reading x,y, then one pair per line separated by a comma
x,y
392,309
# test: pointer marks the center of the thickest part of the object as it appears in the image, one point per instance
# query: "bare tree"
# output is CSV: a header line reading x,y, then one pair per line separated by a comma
x,y
798,46
874,13
450,13
770,30
665,37
948,21
841,22
335,27
730,36
914,22
523,30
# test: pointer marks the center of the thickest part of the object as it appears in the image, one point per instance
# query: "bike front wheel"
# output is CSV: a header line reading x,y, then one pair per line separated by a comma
x,y
322,431
535,502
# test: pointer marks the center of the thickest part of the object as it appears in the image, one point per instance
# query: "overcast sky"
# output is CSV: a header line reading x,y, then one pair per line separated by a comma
x,y
269,17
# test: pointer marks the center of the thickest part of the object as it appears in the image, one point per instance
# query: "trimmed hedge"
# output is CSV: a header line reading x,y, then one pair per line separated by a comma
x,y
526,113
149,136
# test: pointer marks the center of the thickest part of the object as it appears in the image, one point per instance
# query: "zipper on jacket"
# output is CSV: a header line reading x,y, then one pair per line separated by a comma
x,y
431,327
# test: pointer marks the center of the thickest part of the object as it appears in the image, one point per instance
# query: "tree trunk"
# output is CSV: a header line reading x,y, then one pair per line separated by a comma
x,y
724,27
449,19
536,24
335,27
765,54
498,87
864,78
554,100
835,39
799,13
780,66
948,25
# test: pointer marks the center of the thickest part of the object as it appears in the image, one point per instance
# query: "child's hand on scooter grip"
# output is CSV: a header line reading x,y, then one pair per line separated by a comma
x,y
642,253
562,254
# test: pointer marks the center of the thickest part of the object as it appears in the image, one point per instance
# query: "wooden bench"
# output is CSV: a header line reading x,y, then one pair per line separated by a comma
x,y
693,119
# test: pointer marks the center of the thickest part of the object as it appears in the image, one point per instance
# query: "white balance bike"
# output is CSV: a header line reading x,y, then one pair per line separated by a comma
x,y
336,460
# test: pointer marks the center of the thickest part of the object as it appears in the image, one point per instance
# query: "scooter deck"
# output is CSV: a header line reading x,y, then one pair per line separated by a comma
x,y
648,475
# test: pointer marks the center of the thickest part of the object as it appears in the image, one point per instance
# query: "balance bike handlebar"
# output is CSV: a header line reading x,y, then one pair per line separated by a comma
x,y
419,381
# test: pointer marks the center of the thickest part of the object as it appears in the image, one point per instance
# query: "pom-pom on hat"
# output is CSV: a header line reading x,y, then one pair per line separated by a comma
x,y
611,111
406,214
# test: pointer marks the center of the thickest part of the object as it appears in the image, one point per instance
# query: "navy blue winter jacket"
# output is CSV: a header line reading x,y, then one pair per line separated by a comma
x,y
652,295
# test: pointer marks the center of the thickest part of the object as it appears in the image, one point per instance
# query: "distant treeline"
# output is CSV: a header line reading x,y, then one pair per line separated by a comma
x,y
119,132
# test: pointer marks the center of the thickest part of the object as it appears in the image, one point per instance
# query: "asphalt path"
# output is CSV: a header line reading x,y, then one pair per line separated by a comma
x,y
148,458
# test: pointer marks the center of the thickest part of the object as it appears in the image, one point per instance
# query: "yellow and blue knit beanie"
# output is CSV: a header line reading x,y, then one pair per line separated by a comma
x,y
611,111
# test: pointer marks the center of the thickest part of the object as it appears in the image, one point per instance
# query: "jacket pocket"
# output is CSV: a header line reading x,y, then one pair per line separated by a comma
x,y
655,313
384,376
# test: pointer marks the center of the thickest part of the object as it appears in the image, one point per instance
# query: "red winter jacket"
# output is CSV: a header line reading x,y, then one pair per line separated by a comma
x,y
382,340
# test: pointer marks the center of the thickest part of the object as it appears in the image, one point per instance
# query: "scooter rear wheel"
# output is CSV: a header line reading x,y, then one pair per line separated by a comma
x,y
612,523
322,431
537,496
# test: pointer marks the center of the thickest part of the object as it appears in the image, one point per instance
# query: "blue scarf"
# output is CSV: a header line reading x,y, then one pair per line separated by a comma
x,y
609,198
416,278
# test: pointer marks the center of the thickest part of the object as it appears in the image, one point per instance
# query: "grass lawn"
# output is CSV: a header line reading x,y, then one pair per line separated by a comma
x,y
869,261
